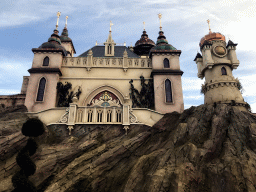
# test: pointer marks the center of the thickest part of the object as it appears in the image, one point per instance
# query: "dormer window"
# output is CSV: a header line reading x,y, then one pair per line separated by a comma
x,y
166,63
46,61
223,71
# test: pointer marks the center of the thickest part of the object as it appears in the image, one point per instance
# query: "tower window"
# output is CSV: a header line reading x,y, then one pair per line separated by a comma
x,y
168,90
40,92
166,63
223,71
46,61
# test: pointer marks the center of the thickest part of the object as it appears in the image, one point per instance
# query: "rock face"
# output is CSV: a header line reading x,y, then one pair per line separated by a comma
x,y
206,148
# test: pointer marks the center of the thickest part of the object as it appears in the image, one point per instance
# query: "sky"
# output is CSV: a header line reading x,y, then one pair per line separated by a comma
x,y
26,24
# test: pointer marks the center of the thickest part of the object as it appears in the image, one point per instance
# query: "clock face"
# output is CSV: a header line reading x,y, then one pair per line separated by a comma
x,y
220,51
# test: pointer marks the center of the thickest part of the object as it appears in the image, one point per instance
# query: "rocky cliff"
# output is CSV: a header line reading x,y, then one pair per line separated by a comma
x,y
206,148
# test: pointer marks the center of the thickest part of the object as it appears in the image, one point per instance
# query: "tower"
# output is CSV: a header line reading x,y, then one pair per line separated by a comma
x,y
216,64
44,73
166,75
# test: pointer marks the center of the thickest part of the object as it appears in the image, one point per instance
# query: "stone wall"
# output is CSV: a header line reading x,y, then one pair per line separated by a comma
x,y
12,100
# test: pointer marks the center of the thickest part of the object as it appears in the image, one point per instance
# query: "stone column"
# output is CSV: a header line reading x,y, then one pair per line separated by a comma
x,y
126,120
94,115
114,115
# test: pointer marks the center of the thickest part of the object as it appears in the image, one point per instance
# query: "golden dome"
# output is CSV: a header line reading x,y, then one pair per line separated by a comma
x,y
212,37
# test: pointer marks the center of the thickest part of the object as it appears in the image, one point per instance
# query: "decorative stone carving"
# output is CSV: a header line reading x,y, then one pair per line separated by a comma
x,y
94,61
107,61
64,118
70,127
85,61
105,100
120,62
114,62
133,118
65,61
126,128
78,61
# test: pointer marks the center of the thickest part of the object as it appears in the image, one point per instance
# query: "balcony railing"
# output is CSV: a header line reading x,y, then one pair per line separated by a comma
x,y
117,62
99,115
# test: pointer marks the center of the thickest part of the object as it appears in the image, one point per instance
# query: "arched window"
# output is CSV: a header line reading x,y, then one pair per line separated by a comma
x,y
168,90
166,63
223,71
40,92
109,49
46,61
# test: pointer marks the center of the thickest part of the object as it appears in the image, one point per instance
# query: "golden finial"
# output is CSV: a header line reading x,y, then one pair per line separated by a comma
x,y
96,43
144,25
66,21
208,21
160,16
110,26
58,15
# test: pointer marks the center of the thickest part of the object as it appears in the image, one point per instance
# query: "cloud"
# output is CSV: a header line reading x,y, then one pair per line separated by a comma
x,y
248,83
9,91
197,97
189,83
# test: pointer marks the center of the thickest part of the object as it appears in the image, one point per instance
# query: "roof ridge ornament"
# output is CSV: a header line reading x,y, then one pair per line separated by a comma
x,y
58,16
160,16
208,21
144,25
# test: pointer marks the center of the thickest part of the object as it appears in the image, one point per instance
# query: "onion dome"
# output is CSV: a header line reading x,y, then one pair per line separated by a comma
x,y
53,44
143,46
211,37
64,36
162,45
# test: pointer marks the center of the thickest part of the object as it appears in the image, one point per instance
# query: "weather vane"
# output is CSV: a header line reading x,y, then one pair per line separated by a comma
x,y
160,16
66,21
110,25
144,25
58,15
208,21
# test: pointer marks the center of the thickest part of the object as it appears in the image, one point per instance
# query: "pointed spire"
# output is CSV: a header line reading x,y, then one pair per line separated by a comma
x,y
208,21
58,16
160,17
144,25
66,22
110,26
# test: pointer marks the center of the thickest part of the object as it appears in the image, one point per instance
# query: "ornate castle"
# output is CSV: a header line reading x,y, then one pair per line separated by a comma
x,y
113,84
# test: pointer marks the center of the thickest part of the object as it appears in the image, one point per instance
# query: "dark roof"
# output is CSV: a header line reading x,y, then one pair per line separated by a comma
x,y
198,55
99,51
230,43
